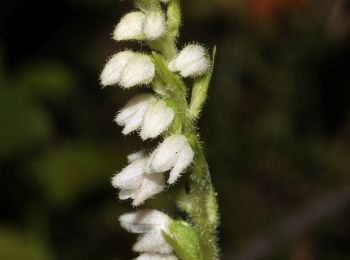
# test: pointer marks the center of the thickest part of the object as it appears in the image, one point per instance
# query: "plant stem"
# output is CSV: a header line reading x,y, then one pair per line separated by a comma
x,y
203,211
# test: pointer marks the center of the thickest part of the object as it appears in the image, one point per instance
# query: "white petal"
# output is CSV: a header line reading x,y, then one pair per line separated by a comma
x,y
142,221
111,73
183,161
152,241
130,27
132,115
152,184
131,177
135,156
166,155
139,71
127,194
191,61
196,68
157,119
155,25
150,256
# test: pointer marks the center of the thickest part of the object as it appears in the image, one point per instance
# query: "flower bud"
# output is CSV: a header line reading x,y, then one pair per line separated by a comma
x,y
152,184
135,184
157,119
139,71
130,27
132,115
153,241
111,74
191,61
155,25
131,176
150,256
142,221
173,154
149,223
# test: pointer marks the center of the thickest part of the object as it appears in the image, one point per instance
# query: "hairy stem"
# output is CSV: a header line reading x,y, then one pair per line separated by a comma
x,y
202,209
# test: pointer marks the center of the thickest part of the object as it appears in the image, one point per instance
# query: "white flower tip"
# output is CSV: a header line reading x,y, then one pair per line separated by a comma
x,y
152,242
152,184
142,221
155,25
131,176
192,61
132,115
175,154
157,119
130,27
154,256
184,160
139,71
111,73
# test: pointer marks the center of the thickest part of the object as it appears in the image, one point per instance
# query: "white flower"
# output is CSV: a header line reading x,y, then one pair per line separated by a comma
x,y
111,74
149,223
130,27
132,115
139,71
173,154
146,113
191,61
157,119
147,256
155,25
128,69
135,184
164,1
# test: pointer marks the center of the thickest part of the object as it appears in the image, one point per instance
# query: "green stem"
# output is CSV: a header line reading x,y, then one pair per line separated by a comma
x,y
203,211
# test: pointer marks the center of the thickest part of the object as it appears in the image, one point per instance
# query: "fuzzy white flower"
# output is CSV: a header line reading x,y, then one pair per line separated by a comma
x,y
135,184
139,71
132,115
112,72
147,256
154,26
174,154
149,223
157,119
191,61
130,27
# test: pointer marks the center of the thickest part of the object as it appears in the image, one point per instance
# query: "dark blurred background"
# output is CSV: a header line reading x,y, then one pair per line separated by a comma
x,y
276,128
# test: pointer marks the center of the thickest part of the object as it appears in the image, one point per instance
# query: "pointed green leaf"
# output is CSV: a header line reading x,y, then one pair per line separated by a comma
x,y
175,84
184,240
200,90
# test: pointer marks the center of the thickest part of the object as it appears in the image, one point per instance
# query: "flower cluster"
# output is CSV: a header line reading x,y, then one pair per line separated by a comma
x,y
149,224
152,116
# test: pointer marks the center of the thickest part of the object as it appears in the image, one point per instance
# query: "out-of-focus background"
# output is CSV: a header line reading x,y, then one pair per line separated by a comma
x,y
276,128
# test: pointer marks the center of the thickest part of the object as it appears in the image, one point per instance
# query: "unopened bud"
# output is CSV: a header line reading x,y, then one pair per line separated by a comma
x,y
132,115
139,71
191,61
157,119
155,25
150,256
111,73
130,27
